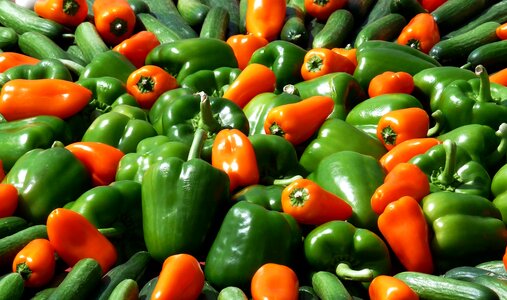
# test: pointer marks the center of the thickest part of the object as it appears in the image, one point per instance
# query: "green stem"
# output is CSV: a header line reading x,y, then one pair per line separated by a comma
x,y
112,232
389,135
501,150
314,63
484,88
24,270
438,116
344,271
286,181
197,143
447,176
146,84
70,7
73,66
207,121
299,196
321,2
290,89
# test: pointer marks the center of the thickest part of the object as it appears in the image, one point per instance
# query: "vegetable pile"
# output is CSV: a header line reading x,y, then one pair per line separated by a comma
x,y
253,149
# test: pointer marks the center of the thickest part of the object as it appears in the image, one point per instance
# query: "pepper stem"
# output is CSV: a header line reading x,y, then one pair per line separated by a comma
x,y
414,43
24,270
197,143
146,84
111,232
118,27
501,150
447,177
286,181
299,196
485,87
438,116
389,135
314,63
321,2
70,7
344,271
207,121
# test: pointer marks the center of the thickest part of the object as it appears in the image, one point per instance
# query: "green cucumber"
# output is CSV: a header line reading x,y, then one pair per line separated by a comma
x,y
492,56
498,285
360,9
8,38
455,51
75,51
468,273
454,14
147,289
314,27
380,9
386,28
193,11
215,24
12,244
429,286
294,29
88,39
407,8
307,293
43,294
127,289
80,282
336,31
25,20
133,268
163,33
11,225
167,14
232,7
496,266
328,286
12,286
243,4
232,293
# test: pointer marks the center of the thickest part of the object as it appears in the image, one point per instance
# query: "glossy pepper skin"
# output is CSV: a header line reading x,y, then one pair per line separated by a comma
x,y
212,82
267,196
105,90
34,175
46,68
467,229
109,63
499,190
184,57
21,136
250,235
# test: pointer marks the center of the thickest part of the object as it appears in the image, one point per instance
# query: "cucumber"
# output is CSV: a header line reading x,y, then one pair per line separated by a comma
x,y
12,286
243,4
11,225
43,294
133,269
25,20
453,14
8,38
83,278
127,289
193,11
492,56
163,33
75,51
360,9
496,266
498,285
294,29
455,51
429,286
386,28
407,8
232,293
232,7
12,244
147,289
167,14
139,6
88,39
380,9
328,286
215,24
307,293
314,27
337,29
468,273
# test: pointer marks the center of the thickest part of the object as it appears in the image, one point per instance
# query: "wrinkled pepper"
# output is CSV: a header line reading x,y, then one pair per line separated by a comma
x,y
105,91
267,196
499,190
46,68
109,63
213,82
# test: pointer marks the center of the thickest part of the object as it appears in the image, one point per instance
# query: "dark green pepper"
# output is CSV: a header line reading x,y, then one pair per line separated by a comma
x,y
46,68
212,82
105,91
267,196
499,191
109,63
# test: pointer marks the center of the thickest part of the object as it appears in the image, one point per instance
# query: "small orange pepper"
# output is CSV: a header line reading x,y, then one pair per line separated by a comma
x,y
348,52
137,47
322,9
114,19
148,82
244,45
66,12
405,150
8,199
274,281
385,287
12,59
321,61
391,82
420,33
501,31
36,263
499,77
265,18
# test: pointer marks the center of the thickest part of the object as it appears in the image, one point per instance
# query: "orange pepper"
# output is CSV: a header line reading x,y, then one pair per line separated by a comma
x,y
253,80
321,61
114,20
244,45
348,52
36,263
24,98
274,281
405,229
322,9
137,47
501,31
148,82
73,237
391,82
66,12
309,203
297,122
12,59
420,33
233,153
403,124
101,160
181,278
265,18
405,150
8,199
385,287
405,179
499,77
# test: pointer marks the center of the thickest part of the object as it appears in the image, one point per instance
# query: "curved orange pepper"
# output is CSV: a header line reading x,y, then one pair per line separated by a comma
x,y
385,287
321,61
265,18
274,281
322,9
114,19
420,33
66,12
501,31
9,199
499,77
348,52
391,82
148,82
244,45
36,263
12,59
405,150
137,47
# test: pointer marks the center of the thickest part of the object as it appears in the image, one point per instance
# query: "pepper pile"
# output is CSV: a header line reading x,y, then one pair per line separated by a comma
x,y
263,149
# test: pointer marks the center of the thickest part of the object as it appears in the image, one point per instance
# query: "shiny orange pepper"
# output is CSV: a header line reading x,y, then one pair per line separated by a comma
x,y
265,18
321,61
420,33
24,98
405,150
253,80
385,287
8,199
137,47
405,229
297,122
148,82
322,9
501,31
101,160
181,278
403,124
114,19
12,59
499,77
66,12
36,263
309,203
348,52
405,179
274,281
233,153
244,45
391,82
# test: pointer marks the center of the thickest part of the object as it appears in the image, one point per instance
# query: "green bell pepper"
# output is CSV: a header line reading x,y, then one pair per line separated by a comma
x,y
342,87
47,179
150,150
337,135
267,196
499,190
250,236
352,253
21,136
181,200
105,91
212,82
467,229
354,177
187,56
109,63
46,68
450,168
284,59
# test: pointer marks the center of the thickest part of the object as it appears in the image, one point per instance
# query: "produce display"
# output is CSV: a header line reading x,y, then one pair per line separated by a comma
x,y
253,149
